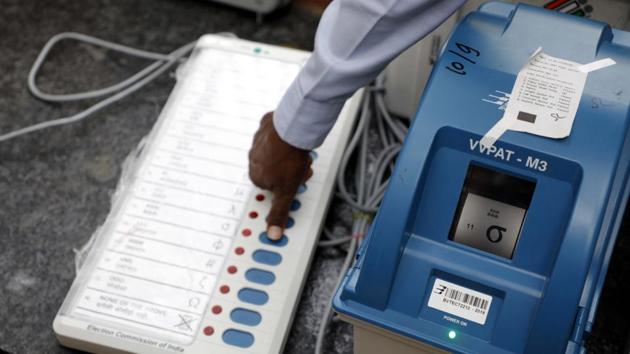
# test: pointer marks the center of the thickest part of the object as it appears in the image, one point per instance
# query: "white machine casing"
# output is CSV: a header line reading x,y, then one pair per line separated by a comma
x,y
182,144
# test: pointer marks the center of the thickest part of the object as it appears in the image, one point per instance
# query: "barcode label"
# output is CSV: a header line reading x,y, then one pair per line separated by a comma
x,y
467,298
460,301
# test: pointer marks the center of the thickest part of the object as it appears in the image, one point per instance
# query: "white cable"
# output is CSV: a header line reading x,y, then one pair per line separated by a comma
x,y
118,91
335,242
326,317
32,75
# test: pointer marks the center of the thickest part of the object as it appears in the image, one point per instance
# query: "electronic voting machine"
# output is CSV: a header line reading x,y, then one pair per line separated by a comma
x,y
182,263
497,227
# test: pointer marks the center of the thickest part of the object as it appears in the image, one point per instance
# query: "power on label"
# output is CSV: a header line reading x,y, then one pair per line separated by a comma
x,y
460,301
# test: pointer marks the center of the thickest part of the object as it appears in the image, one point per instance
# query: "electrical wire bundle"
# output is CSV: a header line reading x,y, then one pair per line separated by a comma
x,y
365,188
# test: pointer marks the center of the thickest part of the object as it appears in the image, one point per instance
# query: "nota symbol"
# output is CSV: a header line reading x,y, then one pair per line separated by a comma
x,y
496,236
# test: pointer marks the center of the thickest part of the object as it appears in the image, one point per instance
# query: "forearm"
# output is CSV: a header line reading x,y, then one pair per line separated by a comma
x,y
354,42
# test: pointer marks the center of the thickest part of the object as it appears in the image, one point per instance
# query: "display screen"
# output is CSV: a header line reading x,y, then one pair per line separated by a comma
x,y
491,210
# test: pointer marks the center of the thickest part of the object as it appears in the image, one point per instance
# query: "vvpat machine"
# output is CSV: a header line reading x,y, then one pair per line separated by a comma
x,y
499,221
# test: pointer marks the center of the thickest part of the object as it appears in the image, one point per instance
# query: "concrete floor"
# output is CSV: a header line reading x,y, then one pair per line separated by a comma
x,y
56,185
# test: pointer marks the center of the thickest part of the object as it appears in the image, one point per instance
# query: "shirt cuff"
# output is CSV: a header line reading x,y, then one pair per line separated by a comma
x,y
302,122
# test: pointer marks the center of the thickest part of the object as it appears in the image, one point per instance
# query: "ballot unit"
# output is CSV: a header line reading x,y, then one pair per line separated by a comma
x,y
182,263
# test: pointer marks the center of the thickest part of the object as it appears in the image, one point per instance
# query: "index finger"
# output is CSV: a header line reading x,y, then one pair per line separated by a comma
x,y
279,214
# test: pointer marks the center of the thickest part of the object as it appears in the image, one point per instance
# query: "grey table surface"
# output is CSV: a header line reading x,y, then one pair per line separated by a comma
x,y
55,185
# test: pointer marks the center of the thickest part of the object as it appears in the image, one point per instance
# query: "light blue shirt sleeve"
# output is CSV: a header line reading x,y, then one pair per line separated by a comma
x,y
354,42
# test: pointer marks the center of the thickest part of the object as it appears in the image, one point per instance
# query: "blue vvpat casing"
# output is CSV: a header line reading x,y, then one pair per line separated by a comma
x,y
545,289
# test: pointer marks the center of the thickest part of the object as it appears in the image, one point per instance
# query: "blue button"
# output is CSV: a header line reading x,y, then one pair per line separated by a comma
x,y
302,188
238,338
267,257
253,296
295,205
290,223
267,241
260,276
246,317
314,155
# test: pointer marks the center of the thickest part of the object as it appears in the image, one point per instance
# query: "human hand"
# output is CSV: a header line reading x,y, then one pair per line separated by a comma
x,y
279,167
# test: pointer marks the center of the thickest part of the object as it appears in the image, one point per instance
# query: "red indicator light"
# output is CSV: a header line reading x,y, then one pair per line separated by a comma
x,y
208,331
